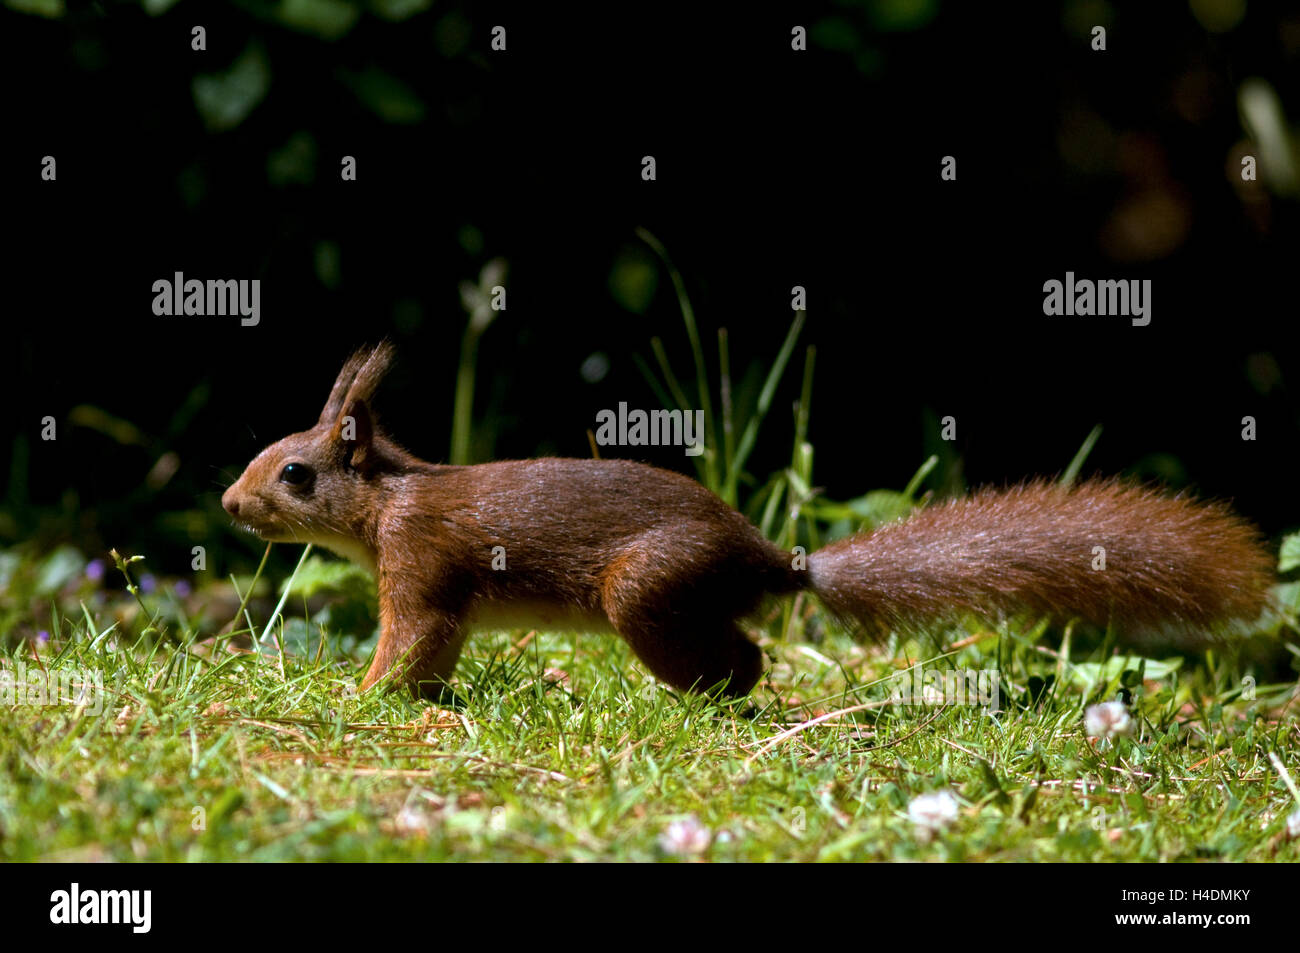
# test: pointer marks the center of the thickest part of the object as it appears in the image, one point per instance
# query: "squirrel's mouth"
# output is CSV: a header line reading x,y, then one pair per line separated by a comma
x,y
271,533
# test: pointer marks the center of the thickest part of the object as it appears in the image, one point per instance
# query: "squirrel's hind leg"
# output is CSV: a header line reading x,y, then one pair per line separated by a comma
x,y
695,655
682,624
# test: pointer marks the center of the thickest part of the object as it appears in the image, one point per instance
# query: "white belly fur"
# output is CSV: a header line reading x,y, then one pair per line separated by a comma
x,y
491,616
510,616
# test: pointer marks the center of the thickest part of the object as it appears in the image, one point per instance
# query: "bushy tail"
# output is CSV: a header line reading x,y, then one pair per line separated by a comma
x,y
1161,569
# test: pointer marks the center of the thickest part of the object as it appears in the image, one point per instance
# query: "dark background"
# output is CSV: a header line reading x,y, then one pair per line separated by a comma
x,y
775,168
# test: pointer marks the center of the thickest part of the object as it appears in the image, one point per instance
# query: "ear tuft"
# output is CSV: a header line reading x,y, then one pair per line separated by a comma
x,y
357,380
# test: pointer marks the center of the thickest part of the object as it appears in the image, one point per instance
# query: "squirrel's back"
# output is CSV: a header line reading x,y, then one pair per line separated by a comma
x,y
1161,569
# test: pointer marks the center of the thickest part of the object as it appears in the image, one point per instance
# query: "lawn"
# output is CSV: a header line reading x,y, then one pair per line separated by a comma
x,y
559,747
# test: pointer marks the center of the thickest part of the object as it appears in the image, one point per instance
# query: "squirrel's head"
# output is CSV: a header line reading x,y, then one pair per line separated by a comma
x,y
312,487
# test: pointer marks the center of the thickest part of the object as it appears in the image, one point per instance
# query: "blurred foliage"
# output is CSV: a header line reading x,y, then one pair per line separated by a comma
x,y
327,19
225,99
43,8
351,606
294,163
1219,16
249,99
386,96
1290,555
634,279
1264,120
470,444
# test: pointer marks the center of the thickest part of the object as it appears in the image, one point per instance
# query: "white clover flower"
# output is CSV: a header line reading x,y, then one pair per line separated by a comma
x,y
1293,824
685,838
413,820
932,813
1107,721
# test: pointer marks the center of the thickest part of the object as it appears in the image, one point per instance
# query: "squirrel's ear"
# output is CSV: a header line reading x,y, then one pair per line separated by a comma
x,y
334,405
357,380
356,431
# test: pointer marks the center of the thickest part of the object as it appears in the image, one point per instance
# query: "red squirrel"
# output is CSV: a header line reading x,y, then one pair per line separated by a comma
x,y
672,569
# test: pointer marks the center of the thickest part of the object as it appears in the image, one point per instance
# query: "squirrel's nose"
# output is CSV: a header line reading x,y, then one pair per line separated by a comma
x,y
230,503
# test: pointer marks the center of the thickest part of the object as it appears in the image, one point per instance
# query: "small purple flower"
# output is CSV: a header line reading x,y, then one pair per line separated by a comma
x,y
95,570
148,583
182,589
42,637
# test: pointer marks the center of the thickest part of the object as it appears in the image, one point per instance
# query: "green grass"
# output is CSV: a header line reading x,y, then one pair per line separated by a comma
x,y
561,748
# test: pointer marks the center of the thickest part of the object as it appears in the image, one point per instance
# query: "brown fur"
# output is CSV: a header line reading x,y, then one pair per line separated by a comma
x,y
1176,571
671,568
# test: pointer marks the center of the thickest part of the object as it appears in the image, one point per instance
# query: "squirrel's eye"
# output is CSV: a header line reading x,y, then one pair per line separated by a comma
x,y
295,474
